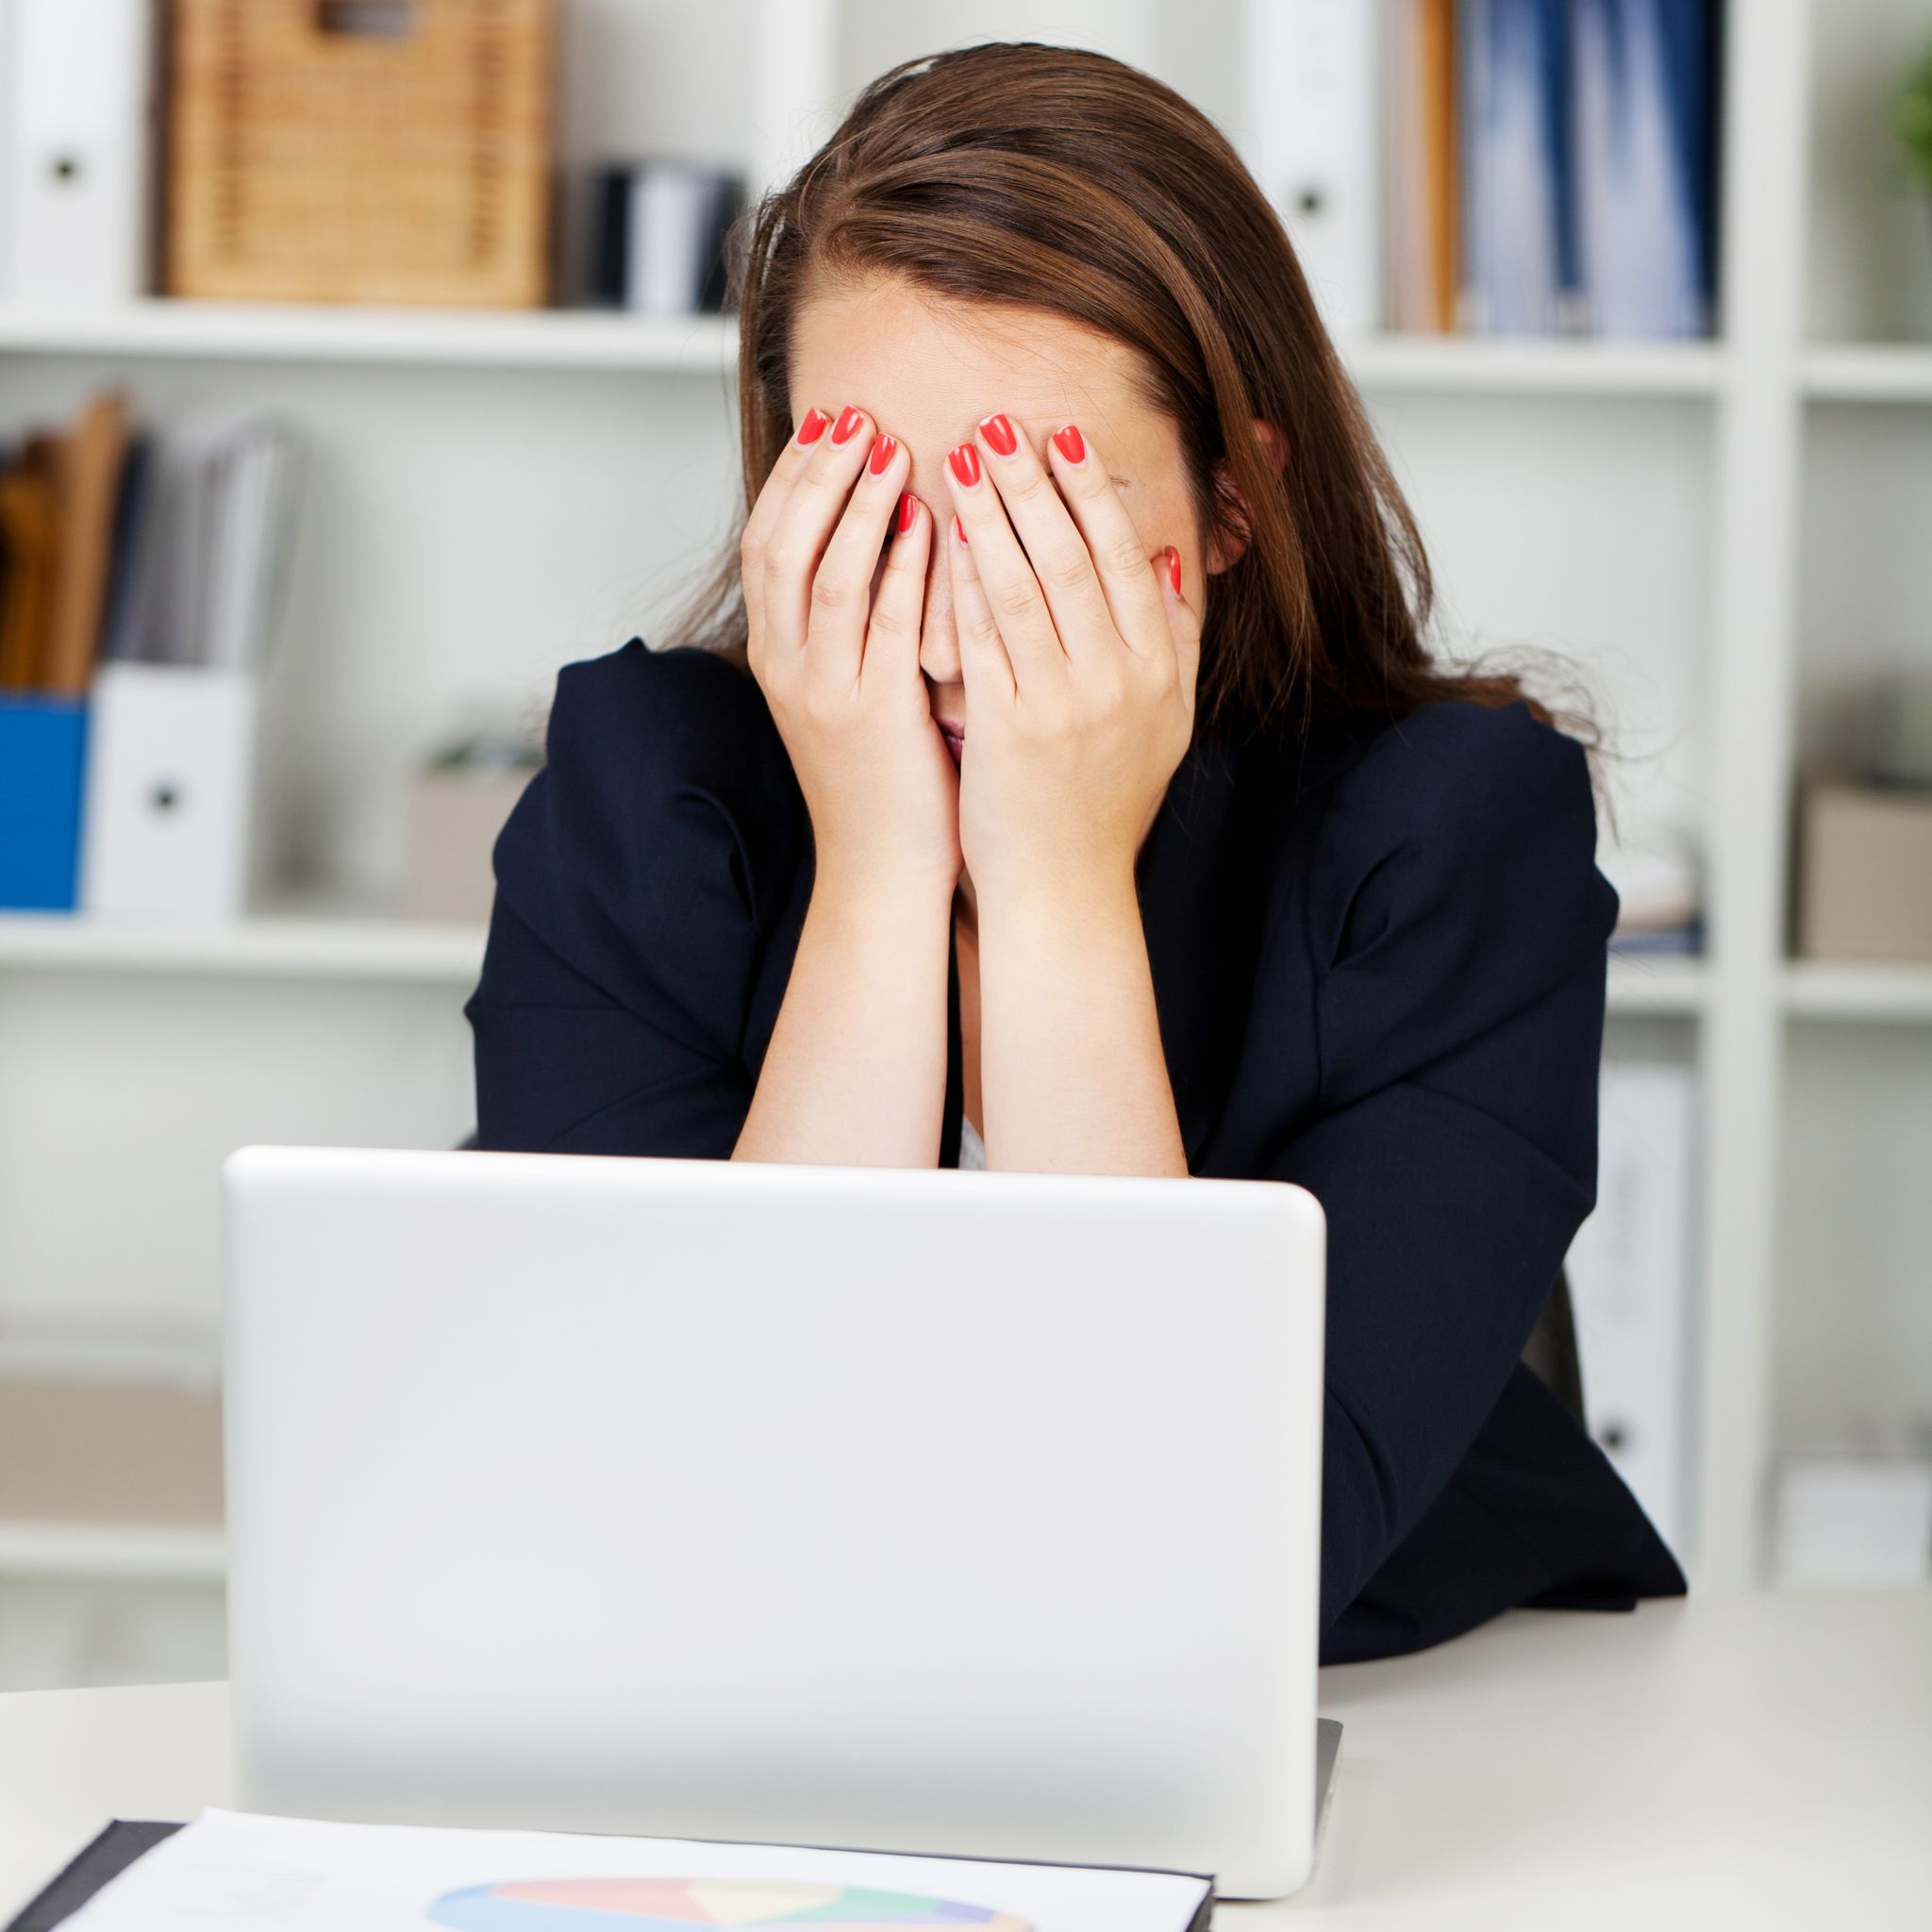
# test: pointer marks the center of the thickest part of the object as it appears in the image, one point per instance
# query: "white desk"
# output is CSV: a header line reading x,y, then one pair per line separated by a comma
x,y
1750,1760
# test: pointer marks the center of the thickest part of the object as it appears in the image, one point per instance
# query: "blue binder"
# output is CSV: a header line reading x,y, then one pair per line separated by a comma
x,y
43,760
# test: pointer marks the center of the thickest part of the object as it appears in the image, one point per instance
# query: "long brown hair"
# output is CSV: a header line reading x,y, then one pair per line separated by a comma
x,y
1016,165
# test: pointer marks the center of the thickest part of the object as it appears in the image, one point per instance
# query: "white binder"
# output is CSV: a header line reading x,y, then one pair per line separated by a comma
x,y
1313,110
79,150
170,792
1631,1270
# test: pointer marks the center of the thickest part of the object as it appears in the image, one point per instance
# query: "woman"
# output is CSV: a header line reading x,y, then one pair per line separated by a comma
x,y
1054,777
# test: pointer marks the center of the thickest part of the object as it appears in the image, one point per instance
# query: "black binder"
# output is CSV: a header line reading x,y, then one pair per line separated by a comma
x,y
104,1857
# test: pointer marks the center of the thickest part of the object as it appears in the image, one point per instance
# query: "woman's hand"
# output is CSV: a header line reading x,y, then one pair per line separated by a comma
x,y
1079,659
839,660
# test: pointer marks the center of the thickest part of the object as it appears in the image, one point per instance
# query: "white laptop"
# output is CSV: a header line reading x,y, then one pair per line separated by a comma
x,y
883,1509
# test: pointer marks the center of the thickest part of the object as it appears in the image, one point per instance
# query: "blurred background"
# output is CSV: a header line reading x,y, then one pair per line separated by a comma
x,y
362,362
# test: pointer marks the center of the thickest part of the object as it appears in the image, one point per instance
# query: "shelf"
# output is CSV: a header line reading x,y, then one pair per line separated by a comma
x,y
290,332
1525,365
1657,984
707,344
116,1551
320,945
1879,372
291,945
182,1357
1833,989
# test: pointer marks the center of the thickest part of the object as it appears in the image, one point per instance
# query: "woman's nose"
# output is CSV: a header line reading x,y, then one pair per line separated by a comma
x,y
939,642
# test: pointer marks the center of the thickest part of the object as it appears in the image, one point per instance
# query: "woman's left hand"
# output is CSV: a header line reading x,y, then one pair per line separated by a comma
x,y
1078,655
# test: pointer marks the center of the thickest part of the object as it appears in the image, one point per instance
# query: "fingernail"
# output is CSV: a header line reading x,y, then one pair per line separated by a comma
x,y
849,420
958,528
909,510
965,462
813,427
1173,568
999,432
882,454
1072,445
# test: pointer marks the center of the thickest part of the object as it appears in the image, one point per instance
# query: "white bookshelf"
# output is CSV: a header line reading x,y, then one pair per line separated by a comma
x,y
297,332
565,340
320,945
1822,990
1875,372
112,1550
494,495
1476,366
299,944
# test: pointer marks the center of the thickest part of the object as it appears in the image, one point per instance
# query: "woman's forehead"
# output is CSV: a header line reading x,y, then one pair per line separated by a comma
x,y
930,366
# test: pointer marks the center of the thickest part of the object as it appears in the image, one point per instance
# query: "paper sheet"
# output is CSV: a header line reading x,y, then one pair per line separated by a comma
x,y
249,1872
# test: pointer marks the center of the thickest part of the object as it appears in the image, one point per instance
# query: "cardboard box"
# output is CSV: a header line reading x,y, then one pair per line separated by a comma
x,y
455,816
1864,883
391,151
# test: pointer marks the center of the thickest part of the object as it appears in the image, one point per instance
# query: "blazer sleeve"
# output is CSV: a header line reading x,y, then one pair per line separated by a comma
x,y
623,937
1458,929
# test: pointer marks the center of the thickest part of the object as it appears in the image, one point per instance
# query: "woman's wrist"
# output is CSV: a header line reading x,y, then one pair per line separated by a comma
x,y
861,898
1072,898
1071,1067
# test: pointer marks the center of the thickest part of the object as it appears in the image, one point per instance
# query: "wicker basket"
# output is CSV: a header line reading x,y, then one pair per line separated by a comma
x,y
318,154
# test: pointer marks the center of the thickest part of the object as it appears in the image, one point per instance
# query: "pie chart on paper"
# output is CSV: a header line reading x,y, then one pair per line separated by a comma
x,y
679,1905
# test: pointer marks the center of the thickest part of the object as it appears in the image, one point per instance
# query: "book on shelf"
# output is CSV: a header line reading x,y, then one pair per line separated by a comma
x,y
58,496
207,542
1423,167
1542,167
144,571
1657,878
121,543
1644,123
1517,210
1588,166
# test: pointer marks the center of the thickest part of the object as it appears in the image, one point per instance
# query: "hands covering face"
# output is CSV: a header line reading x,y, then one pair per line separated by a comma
x,y
1079,655
1078,652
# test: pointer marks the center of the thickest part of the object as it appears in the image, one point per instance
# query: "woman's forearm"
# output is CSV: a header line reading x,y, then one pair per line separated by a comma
x,y
856,1072
1071,1067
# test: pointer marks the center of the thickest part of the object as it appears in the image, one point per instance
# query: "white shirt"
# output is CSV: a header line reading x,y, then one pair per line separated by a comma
x,y
971,1148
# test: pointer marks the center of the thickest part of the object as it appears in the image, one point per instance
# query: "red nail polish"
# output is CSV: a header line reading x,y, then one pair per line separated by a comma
x,y
958,527
1173,568
882,454
909,510
849,420
1072,444
965,462
999,432
813,427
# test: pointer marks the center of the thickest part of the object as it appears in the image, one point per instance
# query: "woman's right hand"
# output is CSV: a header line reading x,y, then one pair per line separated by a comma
x,y
839,662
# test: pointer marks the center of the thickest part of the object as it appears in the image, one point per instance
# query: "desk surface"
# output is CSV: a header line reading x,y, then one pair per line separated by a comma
x,y
1753,1759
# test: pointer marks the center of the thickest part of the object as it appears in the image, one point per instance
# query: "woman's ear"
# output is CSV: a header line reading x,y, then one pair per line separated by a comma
x,y
1227,551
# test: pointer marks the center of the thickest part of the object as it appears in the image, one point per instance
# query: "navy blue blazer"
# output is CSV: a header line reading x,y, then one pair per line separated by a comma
x,y
1378,957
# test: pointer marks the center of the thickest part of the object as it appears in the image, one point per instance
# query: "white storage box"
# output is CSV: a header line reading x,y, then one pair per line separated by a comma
x,y
168,829
1856,1515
